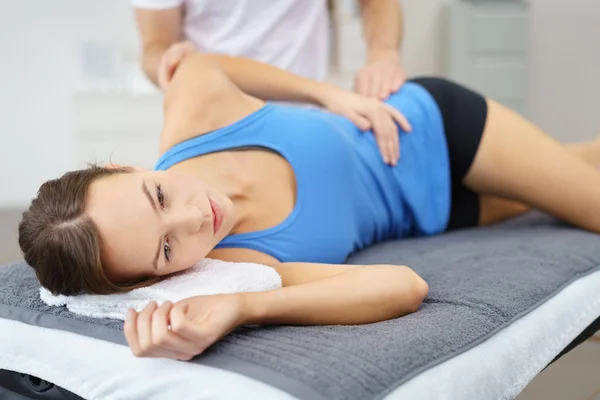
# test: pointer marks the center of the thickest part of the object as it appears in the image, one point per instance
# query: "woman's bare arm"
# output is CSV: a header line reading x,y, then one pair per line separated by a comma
x,y
313,294
345,288
337,294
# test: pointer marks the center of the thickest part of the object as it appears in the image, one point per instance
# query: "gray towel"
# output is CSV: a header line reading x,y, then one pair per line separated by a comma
x,y
480,281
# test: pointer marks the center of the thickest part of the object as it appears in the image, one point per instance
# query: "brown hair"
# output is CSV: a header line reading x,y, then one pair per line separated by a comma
x,y
62,243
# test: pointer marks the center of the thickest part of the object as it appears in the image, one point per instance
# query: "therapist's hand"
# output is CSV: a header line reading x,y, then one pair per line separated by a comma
x,y
185,329
382,75
171,59
368,113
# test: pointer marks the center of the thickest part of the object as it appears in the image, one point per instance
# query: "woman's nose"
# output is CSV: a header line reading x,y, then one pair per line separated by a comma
x,y
187,220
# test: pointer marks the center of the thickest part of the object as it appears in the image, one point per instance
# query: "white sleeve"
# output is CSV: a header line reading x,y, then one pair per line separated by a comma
x,y
157,4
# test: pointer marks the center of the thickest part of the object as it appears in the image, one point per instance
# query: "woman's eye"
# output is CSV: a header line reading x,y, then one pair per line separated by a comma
x,y
167,250
160,196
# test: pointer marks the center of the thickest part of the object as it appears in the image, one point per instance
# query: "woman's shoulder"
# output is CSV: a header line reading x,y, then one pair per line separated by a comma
x,y
201,106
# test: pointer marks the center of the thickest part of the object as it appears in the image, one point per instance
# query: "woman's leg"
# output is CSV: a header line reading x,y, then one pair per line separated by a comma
x,y
494,209
517,161
587,151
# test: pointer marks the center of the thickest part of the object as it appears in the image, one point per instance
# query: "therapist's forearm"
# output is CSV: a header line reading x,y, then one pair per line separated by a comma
x,y
382,27
151,59
268,82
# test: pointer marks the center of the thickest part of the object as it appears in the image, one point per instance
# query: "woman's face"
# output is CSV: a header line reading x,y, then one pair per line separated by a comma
x,y
156,223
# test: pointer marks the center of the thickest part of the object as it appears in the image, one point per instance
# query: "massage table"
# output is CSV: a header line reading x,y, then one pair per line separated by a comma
x,y
504,303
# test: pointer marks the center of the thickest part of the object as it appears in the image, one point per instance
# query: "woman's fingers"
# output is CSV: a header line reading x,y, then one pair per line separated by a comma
x,y
138,332
144,329
164,338
130,330
148,334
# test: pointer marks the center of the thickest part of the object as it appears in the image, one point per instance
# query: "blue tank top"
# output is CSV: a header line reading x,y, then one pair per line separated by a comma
x,y
347,197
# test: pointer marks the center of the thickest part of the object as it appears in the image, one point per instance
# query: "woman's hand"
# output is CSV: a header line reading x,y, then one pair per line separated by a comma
x,y
171,59
369,113
183,330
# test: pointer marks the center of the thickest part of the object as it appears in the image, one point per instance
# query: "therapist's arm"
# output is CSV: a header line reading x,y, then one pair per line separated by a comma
x,y
260,80
158,30
383,30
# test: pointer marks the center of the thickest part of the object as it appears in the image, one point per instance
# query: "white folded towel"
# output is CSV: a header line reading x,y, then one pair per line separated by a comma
x,y
207,277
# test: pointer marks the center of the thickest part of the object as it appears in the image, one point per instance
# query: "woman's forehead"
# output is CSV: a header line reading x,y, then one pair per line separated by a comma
x,y
126,223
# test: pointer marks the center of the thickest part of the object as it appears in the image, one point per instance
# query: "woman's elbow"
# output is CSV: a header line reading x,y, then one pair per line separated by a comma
x,y
416,291
420,291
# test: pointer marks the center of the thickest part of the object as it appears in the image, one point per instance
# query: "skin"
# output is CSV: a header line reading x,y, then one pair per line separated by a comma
x,y
161,32
383,29
517,166
162,242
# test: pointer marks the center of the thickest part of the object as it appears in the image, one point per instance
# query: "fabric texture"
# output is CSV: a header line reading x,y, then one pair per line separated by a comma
x,y
206,278
481,280
498,368
289,34
503,365
347,197
100,370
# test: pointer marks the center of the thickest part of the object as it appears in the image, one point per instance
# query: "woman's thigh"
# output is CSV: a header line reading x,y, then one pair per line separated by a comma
x,y
517,161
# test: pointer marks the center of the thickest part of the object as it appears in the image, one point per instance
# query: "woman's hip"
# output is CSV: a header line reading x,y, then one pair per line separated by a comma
x,y
464,114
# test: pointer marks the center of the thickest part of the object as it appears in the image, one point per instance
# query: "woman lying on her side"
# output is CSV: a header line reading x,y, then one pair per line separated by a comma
x,y
299,189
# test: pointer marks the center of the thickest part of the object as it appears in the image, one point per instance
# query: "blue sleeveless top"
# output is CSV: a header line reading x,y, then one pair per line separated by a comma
x,y
347,197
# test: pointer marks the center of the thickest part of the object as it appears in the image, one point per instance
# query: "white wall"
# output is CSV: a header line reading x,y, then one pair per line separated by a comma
x,y
564,84
35,69
422,48
564,79
40,68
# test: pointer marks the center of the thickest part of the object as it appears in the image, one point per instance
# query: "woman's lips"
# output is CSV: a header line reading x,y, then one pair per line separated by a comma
x,y
217,215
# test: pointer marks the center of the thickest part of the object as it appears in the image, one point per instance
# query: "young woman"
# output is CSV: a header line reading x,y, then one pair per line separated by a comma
x,y
298,189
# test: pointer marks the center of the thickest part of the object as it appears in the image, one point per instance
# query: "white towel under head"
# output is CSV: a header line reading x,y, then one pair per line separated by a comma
x,y
207,277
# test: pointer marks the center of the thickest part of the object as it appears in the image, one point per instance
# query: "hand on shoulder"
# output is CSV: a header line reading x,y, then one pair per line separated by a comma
x,y
171,59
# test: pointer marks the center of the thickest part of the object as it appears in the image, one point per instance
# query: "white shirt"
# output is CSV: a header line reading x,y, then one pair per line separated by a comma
x,y
290,34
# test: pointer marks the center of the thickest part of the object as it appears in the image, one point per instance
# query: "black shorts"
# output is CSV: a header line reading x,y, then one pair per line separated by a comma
x,y
464,113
